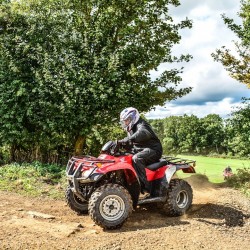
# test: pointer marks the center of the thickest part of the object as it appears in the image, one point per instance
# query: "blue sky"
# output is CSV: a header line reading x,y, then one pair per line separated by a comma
x,y
214,91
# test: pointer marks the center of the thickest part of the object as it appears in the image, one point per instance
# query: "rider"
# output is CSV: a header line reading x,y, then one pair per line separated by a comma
x,y
228,169
145,143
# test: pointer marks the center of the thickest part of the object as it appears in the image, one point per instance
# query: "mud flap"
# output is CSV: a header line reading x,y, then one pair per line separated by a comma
x,y
170,172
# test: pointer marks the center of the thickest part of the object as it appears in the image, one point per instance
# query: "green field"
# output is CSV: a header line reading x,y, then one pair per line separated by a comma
x,y
213,167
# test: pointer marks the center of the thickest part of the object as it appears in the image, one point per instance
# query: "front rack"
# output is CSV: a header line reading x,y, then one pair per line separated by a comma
x,y
86,161
87,158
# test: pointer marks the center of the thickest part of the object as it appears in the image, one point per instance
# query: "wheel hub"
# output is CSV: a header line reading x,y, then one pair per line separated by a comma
x,y
182,199
112,207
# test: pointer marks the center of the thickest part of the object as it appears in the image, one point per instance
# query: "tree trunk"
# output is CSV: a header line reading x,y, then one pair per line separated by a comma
x,y
217,149
80,141
13,152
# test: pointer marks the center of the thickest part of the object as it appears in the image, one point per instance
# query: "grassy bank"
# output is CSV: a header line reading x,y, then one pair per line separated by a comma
x,y
34,179
213,167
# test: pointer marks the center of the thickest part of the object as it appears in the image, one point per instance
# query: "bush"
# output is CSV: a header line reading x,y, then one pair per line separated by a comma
x,y
34,179
241,180
4,155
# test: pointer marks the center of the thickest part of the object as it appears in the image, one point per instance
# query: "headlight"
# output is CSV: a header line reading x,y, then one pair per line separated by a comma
x,y
86,173
98,164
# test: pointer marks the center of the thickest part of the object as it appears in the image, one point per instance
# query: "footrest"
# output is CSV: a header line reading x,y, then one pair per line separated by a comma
x,y
152,200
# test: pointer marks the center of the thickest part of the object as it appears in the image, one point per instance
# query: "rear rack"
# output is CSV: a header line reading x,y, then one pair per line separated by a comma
x,y
178,161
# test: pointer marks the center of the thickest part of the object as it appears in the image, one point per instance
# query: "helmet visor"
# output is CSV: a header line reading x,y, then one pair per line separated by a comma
x,y
125,123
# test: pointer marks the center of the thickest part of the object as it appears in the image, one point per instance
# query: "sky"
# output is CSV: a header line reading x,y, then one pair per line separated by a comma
x,y
214,91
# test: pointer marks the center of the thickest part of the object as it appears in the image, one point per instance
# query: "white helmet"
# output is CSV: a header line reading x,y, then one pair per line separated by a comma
x,y
128,118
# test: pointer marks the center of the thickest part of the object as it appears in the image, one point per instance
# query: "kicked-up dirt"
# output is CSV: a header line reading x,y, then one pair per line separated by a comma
x,y
218,219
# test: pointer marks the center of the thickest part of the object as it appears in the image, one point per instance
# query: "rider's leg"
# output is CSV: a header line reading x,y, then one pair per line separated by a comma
x,y
140,161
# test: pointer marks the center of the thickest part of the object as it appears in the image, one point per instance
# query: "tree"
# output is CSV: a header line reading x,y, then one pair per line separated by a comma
x,y
68,66
213,133
181,134
189,134
238,65
158,126
170,142
238,126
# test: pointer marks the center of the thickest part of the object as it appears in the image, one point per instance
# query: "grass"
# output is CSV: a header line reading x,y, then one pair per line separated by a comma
x,y
34,179
213,167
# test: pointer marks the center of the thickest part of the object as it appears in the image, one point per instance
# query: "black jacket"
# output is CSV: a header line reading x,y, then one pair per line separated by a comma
x,y
142,136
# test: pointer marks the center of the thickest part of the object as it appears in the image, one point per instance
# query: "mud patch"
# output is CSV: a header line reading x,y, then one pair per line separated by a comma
x,y
199,181
218,219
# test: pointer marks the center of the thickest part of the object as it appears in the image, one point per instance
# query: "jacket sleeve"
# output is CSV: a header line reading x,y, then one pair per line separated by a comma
x,y
141,135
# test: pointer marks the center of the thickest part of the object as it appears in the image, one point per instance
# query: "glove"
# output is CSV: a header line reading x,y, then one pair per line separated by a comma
x,y
124,141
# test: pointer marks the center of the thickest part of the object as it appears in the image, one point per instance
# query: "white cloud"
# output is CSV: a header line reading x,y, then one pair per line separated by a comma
x,y
214,91
222,108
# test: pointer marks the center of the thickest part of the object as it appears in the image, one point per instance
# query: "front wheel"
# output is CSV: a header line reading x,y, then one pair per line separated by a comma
x,y
110,206
180,197
75,203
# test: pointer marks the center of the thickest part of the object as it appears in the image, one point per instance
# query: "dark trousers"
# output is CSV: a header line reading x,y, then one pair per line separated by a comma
x,y
140,160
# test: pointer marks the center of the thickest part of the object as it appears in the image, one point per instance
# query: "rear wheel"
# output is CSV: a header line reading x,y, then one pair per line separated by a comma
x,y
75,203
110,206
180,197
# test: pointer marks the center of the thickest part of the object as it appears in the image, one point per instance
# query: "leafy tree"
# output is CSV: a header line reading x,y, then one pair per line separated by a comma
x,y
182,134
68,66
158,126
171,140
213,133
238,126
238,65
189,134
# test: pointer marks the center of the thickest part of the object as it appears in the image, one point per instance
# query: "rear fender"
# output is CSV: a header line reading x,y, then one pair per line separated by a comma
x,y
170,171
186,168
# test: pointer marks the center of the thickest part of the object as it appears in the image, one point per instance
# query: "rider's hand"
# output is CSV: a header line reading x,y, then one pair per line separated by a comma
x,y
116,147
124,141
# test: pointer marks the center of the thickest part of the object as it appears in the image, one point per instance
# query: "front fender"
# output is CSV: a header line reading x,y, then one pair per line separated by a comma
x,y
133,183
116,166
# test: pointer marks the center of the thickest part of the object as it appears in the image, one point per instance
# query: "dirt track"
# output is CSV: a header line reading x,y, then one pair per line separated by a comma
x,y
218,219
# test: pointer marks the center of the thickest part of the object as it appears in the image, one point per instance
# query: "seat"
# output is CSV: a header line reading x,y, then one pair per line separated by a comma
x,y
156,165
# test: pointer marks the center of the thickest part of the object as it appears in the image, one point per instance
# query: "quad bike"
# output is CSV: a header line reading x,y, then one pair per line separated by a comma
x,y
227,174
107,187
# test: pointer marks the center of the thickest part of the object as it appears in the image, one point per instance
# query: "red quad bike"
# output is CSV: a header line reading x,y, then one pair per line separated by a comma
x,y
107,187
